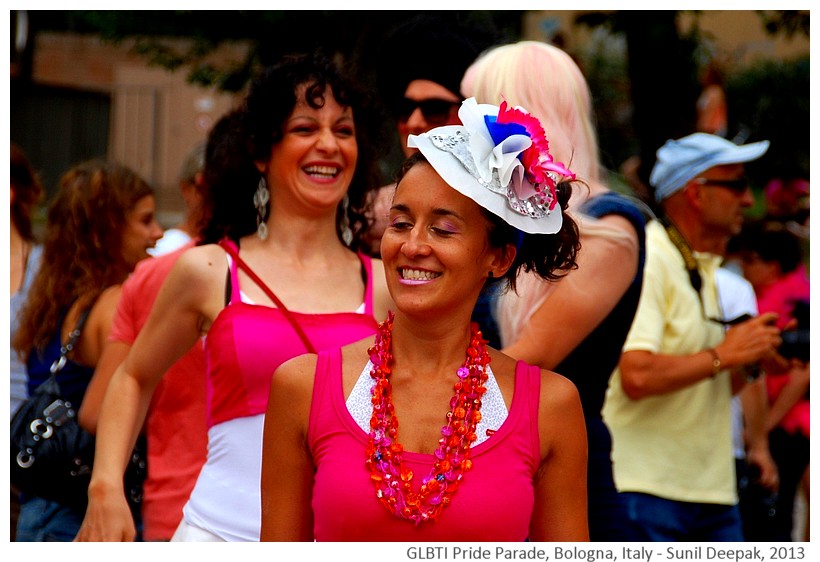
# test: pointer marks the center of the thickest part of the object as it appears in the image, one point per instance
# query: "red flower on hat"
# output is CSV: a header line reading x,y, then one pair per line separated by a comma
x,y
537,160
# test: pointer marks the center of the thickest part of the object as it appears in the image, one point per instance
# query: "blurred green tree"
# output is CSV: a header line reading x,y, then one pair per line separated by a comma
x,y
768,100
355,34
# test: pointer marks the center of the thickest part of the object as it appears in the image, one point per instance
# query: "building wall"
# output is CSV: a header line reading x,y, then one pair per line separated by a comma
x,y
156,116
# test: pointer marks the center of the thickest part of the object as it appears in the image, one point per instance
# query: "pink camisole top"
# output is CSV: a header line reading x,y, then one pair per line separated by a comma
x,y
247,342
493,503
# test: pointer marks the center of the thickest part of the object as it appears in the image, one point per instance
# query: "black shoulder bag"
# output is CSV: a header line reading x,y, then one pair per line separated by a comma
x,y
51,455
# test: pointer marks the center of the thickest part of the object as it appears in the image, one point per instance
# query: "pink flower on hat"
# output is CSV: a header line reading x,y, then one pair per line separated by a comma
x,y
537,160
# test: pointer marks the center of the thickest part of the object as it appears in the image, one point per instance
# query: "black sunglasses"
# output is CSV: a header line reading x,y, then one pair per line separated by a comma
x,y
435,111
739,185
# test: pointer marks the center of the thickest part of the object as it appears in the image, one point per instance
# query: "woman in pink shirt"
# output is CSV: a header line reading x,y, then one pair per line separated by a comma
x,y
278,275
488,448
772,261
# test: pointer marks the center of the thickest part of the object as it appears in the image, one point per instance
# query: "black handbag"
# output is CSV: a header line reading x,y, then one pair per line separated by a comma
x,y
51,455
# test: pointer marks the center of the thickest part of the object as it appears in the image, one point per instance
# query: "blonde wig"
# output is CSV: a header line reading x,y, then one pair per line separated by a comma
x,y
549,84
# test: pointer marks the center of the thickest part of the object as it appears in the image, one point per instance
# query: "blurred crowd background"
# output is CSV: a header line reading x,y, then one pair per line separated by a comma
x,y
143,87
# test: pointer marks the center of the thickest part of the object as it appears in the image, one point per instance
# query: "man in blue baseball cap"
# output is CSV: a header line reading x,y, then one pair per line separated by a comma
x,y
680,161
669,402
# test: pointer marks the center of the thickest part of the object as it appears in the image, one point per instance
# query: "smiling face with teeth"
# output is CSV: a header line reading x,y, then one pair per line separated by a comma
x,y
315,160
436,248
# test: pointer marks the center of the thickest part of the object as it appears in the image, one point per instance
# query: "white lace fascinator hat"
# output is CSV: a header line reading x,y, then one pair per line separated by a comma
x,y
499,157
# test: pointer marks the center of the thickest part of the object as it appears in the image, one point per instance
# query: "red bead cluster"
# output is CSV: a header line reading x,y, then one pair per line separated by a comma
x,y
392,480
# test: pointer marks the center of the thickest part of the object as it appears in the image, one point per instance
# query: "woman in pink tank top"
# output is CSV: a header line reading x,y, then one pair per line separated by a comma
x,y
480,202
286,192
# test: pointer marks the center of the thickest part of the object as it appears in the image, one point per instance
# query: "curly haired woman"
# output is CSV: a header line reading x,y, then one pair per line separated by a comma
x,y
100,225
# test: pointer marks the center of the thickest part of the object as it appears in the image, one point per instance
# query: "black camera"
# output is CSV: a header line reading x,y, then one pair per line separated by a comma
x,y
796,341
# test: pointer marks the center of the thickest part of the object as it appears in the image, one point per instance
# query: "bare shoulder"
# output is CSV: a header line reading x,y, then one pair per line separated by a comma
x,y
201,263
102,311
296,374
557,392
292,385
560,415
620,224
291,392
97,325
610,248
198,277
107,301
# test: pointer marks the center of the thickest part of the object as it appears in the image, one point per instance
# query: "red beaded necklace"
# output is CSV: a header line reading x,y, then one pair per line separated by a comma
x,y
392,480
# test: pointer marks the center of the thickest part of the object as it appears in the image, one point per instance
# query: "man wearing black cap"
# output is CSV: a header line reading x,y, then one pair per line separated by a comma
x,y
669,402
420,67
419,70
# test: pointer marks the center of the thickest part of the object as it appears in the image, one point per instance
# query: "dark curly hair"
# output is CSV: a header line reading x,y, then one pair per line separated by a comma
x,y
550,256
228,168
770,240
270,101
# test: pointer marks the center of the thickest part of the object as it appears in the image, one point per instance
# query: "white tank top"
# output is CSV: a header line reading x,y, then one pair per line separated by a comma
x,y
493,408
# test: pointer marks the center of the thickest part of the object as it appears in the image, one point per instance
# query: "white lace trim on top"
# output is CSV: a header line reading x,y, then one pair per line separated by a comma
x,y
493,409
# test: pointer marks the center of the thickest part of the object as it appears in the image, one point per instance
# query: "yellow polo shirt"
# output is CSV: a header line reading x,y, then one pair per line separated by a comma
x,y
677,445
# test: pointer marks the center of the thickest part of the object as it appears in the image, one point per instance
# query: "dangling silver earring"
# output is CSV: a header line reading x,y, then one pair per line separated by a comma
x,y
347,232
260,201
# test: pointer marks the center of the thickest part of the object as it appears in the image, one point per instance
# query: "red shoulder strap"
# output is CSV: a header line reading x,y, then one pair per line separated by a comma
x,y
228,247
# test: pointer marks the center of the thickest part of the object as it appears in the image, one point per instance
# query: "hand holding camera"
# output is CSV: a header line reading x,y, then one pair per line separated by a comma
x,y
752,341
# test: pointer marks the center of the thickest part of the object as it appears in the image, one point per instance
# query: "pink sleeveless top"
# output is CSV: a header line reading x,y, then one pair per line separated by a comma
x,y
246,343
494,502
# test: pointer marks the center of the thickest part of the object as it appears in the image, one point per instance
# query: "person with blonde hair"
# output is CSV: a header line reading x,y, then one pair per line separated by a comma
x,y
575,326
